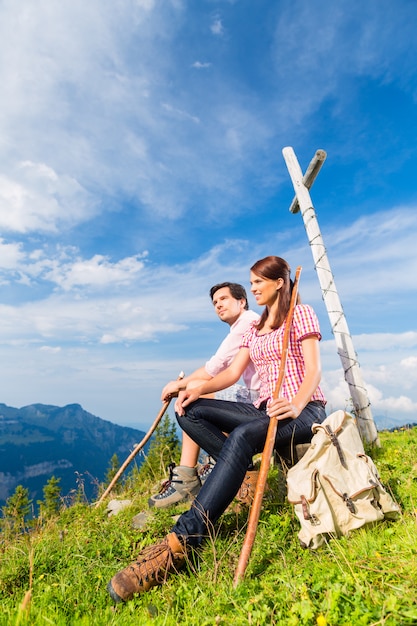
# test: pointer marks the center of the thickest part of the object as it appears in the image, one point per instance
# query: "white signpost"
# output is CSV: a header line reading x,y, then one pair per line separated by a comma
x,y
345,349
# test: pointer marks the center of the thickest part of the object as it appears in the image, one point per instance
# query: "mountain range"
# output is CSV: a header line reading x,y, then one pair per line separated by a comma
x,y
39,441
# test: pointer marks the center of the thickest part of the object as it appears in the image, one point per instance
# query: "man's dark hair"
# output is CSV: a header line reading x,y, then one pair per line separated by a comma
x,y
238,291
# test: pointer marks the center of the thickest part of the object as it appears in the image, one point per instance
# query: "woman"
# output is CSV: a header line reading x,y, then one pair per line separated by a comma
x,y
301,403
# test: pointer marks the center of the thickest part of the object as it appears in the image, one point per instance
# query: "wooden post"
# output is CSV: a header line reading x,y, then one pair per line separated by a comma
x,y
345,349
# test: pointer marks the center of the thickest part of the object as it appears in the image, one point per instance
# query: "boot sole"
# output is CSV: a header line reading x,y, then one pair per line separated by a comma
x,y
114,596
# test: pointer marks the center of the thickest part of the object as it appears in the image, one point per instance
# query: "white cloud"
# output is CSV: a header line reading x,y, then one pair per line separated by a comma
x,y
178,113
217,26
98,271
11,255
200,66
387,341
409,363
35,198
63,267
389,379
139,331
400,404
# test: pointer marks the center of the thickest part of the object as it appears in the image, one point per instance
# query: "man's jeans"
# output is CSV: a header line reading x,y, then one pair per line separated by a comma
x,y
205,422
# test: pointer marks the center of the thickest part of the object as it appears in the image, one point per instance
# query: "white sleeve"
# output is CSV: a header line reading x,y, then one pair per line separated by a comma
x,y
230,346
225,354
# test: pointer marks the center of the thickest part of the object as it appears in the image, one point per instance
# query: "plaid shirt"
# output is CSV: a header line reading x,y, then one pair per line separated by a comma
x,y
265,352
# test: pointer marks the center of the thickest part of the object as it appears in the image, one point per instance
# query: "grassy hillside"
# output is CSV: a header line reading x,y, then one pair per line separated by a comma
x,y
368,579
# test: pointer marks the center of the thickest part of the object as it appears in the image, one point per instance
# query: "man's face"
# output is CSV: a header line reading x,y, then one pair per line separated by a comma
x,y
226,306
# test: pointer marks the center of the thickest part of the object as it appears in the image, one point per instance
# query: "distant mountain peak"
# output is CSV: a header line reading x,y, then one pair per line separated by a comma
x,y
41,440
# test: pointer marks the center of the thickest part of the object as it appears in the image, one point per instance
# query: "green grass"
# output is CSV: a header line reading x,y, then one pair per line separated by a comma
x,y
367,579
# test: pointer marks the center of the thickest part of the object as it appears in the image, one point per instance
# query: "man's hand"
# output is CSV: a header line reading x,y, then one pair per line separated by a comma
x,y
185,398
282,409
170,390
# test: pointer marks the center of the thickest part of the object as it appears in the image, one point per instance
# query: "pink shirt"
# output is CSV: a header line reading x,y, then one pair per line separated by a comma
x,y
230,346
265,352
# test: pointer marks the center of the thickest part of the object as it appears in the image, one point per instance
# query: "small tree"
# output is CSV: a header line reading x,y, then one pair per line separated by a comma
x,y
51,502
112,469
164,448
16,509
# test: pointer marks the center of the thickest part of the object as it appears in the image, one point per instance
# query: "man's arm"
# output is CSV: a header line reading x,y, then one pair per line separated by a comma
x,y
175,386
226,378
222,358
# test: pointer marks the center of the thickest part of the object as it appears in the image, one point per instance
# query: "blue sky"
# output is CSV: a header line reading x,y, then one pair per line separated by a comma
x,y
141,162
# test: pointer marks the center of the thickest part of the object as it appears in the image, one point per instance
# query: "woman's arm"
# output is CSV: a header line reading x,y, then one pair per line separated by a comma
x,y
224,379
283,408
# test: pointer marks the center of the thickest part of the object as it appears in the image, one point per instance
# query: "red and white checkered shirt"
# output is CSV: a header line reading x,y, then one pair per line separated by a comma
x,y
265,352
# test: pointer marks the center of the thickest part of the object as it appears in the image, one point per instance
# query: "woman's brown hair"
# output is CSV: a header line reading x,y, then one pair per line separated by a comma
x,y
273,268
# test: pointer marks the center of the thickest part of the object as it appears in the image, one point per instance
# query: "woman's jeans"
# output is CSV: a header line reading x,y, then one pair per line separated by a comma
x,y
205,422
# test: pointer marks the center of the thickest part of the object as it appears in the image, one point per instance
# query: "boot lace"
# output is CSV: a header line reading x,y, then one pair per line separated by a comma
x,y
167,483
155,563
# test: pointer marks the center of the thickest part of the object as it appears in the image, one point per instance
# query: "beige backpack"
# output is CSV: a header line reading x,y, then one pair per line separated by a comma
x,y
335,487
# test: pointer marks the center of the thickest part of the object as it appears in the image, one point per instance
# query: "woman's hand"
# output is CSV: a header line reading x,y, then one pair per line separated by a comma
x,y
282,409
185,398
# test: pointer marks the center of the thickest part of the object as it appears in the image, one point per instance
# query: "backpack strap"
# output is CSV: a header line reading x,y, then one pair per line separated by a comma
x,y
333,438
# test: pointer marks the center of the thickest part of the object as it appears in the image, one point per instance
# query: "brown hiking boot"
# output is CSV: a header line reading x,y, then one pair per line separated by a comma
x,y
246,492
245,495
151,568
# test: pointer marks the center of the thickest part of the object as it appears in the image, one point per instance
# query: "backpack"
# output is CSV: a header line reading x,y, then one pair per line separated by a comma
x,y
335,487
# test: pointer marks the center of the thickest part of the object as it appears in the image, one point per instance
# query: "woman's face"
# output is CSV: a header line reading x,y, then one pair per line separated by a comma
x,y
265,290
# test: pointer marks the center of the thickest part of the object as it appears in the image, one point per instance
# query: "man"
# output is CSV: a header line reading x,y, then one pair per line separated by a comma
x,y
231,305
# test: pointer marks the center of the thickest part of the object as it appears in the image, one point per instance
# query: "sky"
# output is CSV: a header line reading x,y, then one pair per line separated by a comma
x,y
141,163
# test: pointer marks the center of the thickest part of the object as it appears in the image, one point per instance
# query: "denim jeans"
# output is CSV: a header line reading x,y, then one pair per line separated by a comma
x,y
205,422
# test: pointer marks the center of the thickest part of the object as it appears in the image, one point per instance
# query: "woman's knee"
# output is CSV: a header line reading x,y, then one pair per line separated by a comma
x,y
248,437
188,416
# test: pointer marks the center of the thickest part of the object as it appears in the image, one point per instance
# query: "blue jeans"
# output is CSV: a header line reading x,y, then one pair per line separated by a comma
x,y
205,422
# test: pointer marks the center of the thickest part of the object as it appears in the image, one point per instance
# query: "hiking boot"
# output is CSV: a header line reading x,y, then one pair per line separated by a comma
x,y
183,485
151,568
245,495
205,471
246,492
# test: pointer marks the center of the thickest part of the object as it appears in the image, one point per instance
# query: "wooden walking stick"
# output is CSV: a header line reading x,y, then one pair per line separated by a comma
x,y
137,448
268,448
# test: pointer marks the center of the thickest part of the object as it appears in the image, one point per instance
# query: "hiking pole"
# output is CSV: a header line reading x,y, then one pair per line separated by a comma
x,y
268,448
137,448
